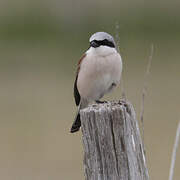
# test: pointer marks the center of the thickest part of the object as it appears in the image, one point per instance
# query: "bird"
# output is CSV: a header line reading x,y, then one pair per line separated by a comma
x,y
98,73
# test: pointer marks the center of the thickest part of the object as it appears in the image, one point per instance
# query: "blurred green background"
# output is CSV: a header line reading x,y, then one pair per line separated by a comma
x,y
40,44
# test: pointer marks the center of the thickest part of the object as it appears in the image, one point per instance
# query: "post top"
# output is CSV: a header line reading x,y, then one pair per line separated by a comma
x,y
118,104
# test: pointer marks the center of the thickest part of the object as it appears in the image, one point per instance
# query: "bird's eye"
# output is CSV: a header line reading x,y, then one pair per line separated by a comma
x,y
106,42
95,44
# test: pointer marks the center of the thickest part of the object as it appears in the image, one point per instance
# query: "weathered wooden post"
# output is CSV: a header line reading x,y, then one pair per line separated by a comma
x,y
113,148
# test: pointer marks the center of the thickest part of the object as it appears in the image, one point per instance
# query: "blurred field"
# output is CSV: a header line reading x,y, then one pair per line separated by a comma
x,y
40,44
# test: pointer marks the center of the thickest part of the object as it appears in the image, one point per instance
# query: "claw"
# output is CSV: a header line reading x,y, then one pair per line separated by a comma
x,y
100,102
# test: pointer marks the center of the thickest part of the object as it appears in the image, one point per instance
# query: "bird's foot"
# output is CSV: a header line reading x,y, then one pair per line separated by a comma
x,y
100,102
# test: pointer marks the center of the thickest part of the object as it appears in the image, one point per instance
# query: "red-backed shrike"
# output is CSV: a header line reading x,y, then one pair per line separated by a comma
x,y
99,71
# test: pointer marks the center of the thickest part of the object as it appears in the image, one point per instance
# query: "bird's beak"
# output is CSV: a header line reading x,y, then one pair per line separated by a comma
x,y
94,44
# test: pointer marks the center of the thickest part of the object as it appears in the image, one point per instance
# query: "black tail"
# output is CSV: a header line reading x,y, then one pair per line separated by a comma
x,y
76,124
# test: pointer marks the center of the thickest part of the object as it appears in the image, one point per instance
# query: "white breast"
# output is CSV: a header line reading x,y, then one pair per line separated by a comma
x,y
98,71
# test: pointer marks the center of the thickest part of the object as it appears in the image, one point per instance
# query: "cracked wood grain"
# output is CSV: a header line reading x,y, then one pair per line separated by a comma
x,y
112,144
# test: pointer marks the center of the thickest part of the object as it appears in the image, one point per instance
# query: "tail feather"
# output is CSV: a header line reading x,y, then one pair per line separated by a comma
x,y
76,124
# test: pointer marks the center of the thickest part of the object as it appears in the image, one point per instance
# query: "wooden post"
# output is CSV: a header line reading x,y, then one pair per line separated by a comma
x,y
112,144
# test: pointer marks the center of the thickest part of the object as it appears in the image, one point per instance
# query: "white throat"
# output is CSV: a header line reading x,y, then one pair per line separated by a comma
x,y
101,51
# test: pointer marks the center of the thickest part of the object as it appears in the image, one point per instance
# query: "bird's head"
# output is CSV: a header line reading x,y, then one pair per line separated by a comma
x,y
102,39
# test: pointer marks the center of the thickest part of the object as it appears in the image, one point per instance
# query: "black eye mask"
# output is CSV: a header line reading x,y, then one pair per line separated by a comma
x,y
104,42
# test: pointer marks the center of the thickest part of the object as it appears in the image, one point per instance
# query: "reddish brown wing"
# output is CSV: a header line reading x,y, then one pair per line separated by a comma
x,y
77,96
